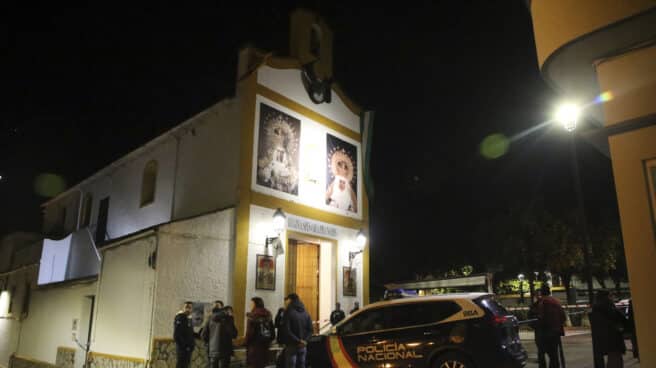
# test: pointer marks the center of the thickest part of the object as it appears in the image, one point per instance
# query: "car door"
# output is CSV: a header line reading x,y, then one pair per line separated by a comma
x,y
415,332
354,343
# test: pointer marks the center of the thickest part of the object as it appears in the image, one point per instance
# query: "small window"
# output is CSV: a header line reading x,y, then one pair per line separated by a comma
x,y
12,295
494,307
62,221
367,321
26,300
650,166
148,183
86,209
416,314
315,40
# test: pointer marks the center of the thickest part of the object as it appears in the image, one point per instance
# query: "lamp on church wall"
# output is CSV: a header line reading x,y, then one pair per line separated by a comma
x,y
279,224
358,245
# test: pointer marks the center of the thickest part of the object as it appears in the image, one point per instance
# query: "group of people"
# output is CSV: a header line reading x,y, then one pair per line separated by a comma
x,y
292,328
217,332
608,325
338,314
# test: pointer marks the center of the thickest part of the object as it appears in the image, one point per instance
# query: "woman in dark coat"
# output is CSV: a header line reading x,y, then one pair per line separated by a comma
x,y
257,350
607,325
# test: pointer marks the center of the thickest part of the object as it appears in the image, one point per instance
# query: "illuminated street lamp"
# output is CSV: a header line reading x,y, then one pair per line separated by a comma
x,y
520,277
568,114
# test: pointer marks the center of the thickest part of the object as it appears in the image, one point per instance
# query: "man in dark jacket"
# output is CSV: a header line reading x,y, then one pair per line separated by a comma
x,y
297,329
337,315
549,327
607,325
183,334
218,334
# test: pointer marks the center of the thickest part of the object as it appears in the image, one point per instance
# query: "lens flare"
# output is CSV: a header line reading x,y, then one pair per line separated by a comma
x,y
49,185
494,146
604,97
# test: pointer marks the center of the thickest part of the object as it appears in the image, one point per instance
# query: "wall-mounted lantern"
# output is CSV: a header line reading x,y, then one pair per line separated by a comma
x,y
279,225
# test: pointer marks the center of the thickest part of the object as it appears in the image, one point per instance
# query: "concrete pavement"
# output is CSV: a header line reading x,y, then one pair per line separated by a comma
x,y
577,345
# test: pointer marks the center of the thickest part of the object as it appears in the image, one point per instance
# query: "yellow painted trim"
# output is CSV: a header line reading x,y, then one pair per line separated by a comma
x,y
117,357
246,91
66,348
292,63
167,339
365,254
32,360
293,105
277,62
302,210
308,235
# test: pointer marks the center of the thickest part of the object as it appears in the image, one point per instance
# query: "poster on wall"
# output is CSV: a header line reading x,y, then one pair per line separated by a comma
x,y
198,311
341,174
278,150
349,281
265,273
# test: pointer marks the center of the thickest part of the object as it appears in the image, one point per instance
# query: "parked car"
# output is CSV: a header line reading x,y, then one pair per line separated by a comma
x,y
451,330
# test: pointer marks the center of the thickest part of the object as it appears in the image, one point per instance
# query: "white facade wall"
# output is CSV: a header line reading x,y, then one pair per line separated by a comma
x,y
10,323
194,262
125,214
208,161
50,320
125,300
288,83
333,256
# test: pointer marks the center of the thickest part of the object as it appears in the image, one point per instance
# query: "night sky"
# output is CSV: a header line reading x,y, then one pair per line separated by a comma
x,y
85,85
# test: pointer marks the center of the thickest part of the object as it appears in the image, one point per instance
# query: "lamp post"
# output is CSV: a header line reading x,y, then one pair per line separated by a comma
x,y
568,115
520,277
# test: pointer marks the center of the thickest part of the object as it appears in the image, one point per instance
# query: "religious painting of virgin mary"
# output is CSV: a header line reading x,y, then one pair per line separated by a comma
x,y
278,150
341,174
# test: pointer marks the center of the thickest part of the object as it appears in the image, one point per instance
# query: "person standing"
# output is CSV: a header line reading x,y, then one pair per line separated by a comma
x,y
216,315
549,327
259,334
632,328
228,332
356,307
278,323
337,315
183,334
297,329
607,325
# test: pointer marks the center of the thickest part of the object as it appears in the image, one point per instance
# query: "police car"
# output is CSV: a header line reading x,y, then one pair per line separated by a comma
x,y
446,331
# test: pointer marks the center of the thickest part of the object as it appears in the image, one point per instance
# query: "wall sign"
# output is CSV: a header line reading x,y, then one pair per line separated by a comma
x,y
311,227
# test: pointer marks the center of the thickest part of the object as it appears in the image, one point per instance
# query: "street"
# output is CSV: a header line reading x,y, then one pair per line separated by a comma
x,y
578,350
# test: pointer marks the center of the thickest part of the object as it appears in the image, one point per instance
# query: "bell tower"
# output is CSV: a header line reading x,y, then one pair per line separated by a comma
x,y
311,42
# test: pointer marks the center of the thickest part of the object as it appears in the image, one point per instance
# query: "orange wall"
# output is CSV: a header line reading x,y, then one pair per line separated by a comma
x,y
631,78
557,22
628,152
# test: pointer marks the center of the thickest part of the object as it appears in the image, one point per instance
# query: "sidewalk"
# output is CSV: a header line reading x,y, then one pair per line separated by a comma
x,y
577,345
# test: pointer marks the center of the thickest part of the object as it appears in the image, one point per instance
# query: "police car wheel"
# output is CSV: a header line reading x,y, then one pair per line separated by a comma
x,y
452,360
